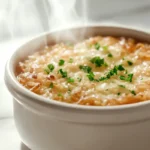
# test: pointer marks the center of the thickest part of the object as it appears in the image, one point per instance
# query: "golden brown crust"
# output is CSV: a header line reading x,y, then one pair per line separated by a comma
x,y
133,56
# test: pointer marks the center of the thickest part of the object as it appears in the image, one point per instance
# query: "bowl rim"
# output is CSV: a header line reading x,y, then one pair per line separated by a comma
x,y
10,79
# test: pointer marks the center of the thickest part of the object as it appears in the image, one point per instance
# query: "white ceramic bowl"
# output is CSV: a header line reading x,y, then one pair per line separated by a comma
x,y
50,125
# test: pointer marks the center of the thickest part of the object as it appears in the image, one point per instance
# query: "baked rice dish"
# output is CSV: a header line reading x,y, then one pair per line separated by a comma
x,y
99,71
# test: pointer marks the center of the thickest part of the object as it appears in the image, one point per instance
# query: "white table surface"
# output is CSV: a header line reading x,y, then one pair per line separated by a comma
x,y
9,138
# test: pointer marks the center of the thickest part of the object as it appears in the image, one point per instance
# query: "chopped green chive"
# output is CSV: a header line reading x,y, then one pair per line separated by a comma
x,y
105,47
70,80
133,92
120,68
110,55
105,64
113,72
122,78
103,78
97,80
51,67
89,46
130,63
51,85
61,62
69,91
123,86
47,70
129,78
70,60
97,61
97,46
91,76
118,93
59,94
86,69
63,73
79,79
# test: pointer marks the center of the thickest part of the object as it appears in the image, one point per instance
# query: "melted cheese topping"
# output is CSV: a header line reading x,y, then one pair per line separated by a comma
x,y
75,76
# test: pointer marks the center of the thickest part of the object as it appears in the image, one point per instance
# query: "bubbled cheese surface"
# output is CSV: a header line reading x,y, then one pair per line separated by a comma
x,y
98,71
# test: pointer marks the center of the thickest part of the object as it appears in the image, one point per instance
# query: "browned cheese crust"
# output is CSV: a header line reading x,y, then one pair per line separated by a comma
x,y
98,71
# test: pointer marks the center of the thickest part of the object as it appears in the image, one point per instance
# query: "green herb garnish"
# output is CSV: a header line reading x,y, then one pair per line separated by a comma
x,y
63,73
110,55
61,62
59,94
105,64
97,61
47,70
89,46
129,78
79,79
69,91
86,69
103,78
105,47
120,68
118,93
133,92
91,76
130,63
123,86
122,78
97,46
112,72
97,80
70,80
70,60
50,67
51,85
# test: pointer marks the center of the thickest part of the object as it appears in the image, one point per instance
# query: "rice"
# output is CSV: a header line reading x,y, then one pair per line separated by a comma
x,y
98,71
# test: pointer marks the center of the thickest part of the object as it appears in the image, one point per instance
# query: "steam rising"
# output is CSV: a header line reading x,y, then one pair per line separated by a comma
x,y
34,17
63,13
